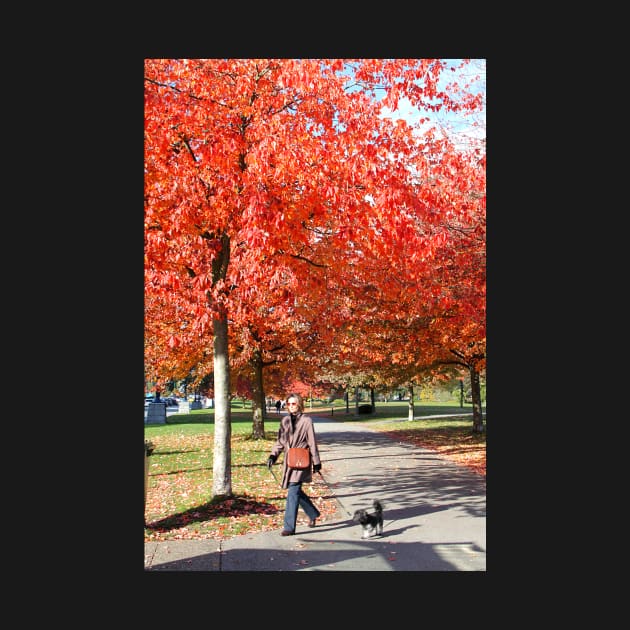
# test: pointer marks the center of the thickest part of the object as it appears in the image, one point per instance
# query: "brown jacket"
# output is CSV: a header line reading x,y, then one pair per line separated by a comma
x,y
302,437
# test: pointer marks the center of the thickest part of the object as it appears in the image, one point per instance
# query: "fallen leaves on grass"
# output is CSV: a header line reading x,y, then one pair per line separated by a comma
x,y
179,503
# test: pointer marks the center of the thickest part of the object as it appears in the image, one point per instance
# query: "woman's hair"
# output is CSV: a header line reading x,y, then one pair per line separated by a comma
x,y
300,401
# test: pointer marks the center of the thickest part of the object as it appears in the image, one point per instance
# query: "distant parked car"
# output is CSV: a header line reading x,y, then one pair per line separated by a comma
x,y
166,400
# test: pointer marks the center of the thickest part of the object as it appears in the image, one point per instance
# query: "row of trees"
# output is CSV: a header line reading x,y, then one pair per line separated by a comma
x,y
455,389
294,234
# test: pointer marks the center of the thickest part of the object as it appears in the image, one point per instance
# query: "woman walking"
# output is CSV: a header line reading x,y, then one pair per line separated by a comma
x,y
296,430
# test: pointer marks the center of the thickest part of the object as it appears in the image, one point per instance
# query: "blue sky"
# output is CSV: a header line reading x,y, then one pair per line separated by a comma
x,y
462,127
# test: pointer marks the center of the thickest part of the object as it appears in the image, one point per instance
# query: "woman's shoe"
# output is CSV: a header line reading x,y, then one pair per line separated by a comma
x,y
311,522
286,532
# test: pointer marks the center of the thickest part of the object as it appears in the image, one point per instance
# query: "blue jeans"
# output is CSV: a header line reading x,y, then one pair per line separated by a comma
x,y
297,498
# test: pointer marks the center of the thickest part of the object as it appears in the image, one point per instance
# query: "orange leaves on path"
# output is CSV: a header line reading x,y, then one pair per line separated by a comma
x,y
458,446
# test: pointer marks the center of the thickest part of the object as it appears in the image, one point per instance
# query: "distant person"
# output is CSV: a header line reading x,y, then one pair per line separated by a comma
x,y
278,406
297,430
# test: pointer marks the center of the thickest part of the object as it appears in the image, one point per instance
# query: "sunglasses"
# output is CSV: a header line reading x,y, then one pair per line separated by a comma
x,y
291,403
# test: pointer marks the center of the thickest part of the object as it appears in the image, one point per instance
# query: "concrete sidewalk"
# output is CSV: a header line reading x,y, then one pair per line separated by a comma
x,y
434,516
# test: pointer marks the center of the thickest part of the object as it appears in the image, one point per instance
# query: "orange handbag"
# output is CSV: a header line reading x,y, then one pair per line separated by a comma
x,y
299,458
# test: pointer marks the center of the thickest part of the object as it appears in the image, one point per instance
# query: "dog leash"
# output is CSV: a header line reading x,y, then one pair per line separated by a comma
x,y
274,475
276,478
323,481
341,506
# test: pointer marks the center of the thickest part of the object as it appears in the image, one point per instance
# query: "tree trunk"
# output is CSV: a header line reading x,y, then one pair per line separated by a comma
x,y
258,402
476,400
221,468
222,464
372,399
411,408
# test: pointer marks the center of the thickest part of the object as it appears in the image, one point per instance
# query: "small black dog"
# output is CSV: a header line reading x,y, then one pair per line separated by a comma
x,y
372,524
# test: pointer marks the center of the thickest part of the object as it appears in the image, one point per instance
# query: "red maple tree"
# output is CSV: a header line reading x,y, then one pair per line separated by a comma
x,y
279,203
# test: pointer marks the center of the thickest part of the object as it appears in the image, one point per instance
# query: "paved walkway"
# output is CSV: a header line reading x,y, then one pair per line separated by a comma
x,y
434,516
